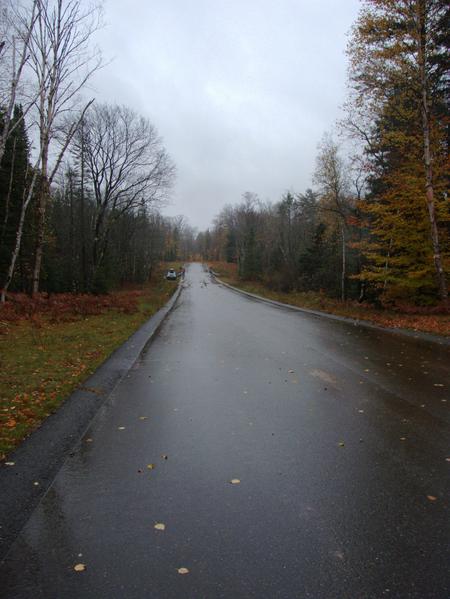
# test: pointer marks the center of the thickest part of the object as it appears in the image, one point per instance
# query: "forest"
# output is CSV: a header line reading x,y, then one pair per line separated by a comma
x,y
374,227
83,183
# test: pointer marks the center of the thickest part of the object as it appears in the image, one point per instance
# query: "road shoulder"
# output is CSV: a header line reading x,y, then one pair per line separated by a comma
x,y
38,459
441,340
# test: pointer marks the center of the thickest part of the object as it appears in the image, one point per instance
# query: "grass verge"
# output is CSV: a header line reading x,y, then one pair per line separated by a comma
x,y
438,324
46,352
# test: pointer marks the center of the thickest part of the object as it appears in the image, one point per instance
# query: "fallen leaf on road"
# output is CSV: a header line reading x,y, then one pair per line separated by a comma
x,y
321,374
9,463
361,411
235,481
89,440
79,567
291,371
121,428
438,385
341,444
143,417
160,526
151,466
164,456
431,497
402,438
183,571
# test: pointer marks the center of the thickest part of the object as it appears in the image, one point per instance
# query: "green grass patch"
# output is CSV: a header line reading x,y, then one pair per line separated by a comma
x,y
43,360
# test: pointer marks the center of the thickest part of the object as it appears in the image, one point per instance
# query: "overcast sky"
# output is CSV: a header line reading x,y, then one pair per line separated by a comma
x,y
240,90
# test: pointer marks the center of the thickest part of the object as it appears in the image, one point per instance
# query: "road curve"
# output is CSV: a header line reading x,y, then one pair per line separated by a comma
x,y
337,434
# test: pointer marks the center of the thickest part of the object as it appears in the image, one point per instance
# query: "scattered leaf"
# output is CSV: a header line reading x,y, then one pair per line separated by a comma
x,y
160,526
291,371
402,438
36,484
235,481
164,456
143,417
438,385
361,411
9,463
79,567
151,466
431,497
121,428
341,444
89,440
183,571
325,376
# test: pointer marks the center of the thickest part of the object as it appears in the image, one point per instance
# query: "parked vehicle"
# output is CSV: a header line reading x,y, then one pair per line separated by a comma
x,y
171,275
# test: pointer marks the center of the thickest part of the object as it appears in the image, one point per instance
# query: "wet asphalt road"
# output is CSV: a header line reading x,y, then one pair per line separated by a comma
x,y
338,434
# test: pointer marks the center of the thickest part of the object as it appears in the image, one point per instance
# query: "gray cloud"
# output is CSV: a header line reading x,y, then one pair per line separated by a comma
x,y
241,91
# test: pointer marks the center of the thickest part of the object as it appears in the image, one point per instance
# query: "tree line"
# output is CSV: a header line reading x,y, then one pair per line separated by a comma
x,y
377,224
81,182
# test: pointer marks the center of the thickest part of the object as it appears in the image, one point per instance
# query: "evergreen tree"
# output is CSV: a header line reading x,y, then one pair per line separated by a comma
x,y
399,78
14,174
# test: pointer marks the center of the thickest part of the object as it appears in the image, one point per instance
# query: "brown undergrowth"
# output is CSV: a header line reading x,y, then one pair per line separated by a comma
x,y
51,344
429,320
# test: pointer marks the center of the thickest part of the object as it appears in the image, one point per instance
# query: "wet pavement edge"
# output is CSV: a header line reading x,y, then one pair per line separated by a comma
x,y
41,455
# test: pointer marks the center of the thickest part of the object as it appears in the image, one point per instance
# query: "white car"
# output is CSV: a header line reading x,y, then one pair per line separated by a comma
x,y
171,275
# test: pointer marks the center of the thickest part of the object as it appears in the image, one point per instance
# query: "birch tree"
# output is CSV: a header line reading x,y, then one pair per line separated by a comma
x,y
401,48
16,29
62,62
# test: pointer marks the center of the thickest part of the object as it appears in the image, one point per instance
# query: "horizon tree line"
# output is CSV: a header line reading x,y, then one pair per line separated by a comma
x,y
377,225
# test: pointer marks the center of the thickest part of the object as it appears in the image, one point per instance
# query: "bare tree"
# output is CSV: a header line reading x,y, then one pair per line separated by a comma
x,y
16,30
331,177
62,63
127,165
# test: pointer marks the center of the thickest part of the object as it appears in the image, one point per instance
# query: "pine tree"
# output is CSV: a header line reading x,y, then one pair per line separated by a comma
x,y
399,66
14,170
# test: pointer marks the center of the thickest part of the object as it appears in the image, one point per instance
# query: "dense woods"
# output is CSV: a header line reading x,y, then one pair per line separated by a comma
x,y
375,225
81,183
